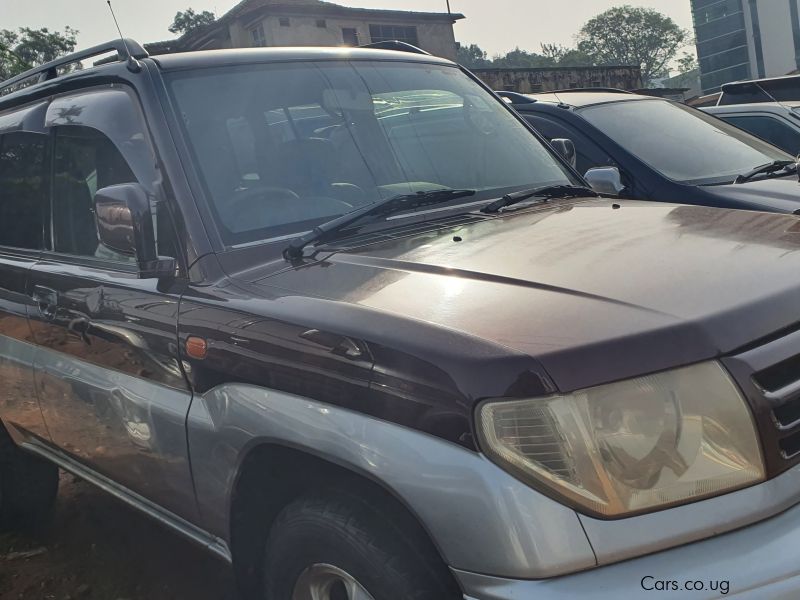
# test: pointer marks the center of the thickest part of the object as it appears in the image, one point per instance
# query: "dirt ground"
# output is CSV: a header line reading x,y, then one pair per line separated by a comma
x,y
97,548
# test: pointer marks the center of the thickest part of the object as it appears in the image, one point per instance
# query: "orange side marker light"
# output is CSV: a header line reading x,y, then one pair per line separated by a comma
x,y
196,347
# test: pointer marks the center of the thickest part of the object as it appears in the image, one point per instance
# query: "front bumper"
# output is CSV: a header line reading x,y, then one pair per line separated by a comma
x,y
758,561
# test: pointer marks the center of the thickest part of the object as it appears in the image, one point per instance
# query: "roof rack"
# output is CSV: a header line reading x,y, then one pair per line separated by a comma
x,y
759,91
127,50
515,97
767,80
395,45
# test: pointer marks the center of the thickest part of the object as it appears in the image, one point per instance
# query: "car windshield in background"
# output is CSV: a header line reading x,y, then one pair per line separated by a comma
x,y
681,143
283,147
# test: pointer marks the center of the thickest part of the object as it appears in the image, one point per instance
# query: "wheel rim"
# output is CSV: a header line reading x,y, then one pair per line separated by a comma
x,y
326,582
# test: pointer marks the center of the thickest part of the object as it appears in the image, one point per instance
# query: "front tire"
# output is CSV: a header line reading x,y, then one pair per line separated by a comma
x,y
28,486
342,546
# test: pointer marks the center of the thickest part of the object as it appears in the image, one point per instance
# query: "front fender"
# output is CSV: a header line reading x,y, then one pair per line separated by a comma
x,y
480,518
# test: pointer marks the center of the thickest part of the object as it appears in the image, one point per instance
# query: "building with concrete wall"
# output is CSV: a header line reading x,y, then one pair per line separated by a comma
x,y
546,79
315,23
745,39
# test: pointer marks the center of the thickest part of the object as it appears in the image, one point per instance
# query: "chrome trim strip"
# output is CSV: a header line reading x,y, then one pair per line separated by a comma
x,y
193,533
784,393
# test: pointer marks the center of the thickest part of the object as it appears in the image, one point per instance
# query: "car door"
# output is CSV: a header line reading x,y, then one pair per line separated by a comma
x,y
110,384
23,198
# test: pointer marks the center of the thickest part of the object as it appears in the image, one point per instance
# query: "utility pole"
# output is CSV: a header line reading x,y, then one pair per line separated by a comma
x,y
448,8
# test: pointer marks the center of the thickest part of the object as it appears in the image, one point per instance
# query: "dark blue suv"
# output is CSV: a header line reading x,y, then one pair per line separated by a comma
x,y
649,148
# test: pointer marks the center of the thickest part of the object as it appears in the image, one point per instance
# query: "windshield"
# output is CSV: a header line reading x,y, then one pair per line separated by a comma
x,y
284,147
681,143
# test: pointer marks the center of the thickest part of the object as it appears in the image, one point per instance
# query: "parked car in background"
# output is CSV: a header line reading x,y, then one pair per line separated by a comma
x,y
654,149
754,91
343,319
778,124
767,108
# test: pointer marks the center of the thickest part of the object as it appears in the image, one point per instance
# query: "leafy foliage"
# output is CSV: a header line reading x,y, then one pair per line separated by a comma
x,y
551,55
472,56
567,57
687,63
26,48
628,35
187,20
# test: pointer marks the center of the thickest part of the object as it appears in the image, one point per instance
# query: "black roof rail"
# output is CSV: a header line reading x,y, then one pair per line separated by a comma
x,y
395,45
127,50
515,97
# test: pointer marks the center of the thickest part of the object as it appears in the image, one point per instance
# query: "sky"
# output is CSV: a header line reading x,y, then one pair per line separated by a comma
x,y
496,25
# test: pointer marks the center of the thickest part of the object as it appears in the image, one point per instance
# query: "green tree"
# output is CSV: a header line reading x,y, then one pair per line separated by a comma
x,y
688,62
566,57
576,58
187,20
522,59
627,35
26,48
472,56
554,51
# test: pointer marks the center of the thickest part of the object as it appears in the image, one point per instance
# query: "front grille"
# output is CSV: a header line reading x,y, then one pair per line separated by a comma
x,y
769,375
780,385
790,446
779,376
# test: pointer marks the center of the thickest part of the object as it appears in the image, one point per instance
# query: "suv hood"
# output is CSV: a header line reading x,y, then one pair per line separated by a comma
x,y
779,194
592,292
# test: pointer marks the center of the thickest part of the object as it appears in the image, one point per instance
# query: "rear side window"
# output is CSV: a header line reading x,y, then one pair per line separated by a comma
x,y
770,129
23,189
85,161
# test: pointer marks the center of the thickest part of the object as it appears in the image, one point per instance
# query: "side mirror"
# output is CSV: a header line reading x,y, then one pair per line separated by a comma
x,y
566,148
125,225
605,180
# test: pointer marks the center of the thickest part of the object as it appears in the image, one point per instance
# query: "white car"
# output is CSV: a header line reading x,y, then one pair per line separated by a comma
x,y
767,108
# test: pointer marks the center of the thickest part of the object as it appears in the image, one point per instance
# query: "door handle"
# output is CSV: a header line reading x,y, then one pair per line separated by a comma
x,y
337,344
80,328
46,300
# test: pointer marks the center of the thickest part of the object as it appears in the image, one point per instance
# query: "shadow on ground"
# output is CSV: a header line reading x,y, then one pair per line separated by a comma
x,y
100,549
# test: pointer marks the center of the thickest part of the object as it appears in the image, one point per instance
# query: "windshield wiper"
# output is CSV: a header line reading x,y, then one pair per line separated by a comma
x,y
545,192
381,208
773,167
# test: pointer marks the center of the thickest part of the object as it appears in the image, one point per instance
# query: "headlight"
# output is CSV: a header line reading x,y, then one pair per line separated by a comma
x,y
631,446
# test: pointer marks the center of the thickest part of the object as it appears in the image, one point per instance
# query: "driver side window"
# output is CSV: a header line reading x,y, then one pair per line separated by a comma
x,y
85,160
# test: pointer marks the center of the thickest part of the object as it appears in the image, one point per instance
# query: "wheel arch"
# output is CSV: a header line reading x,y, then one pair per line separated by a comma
x,y
271,474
